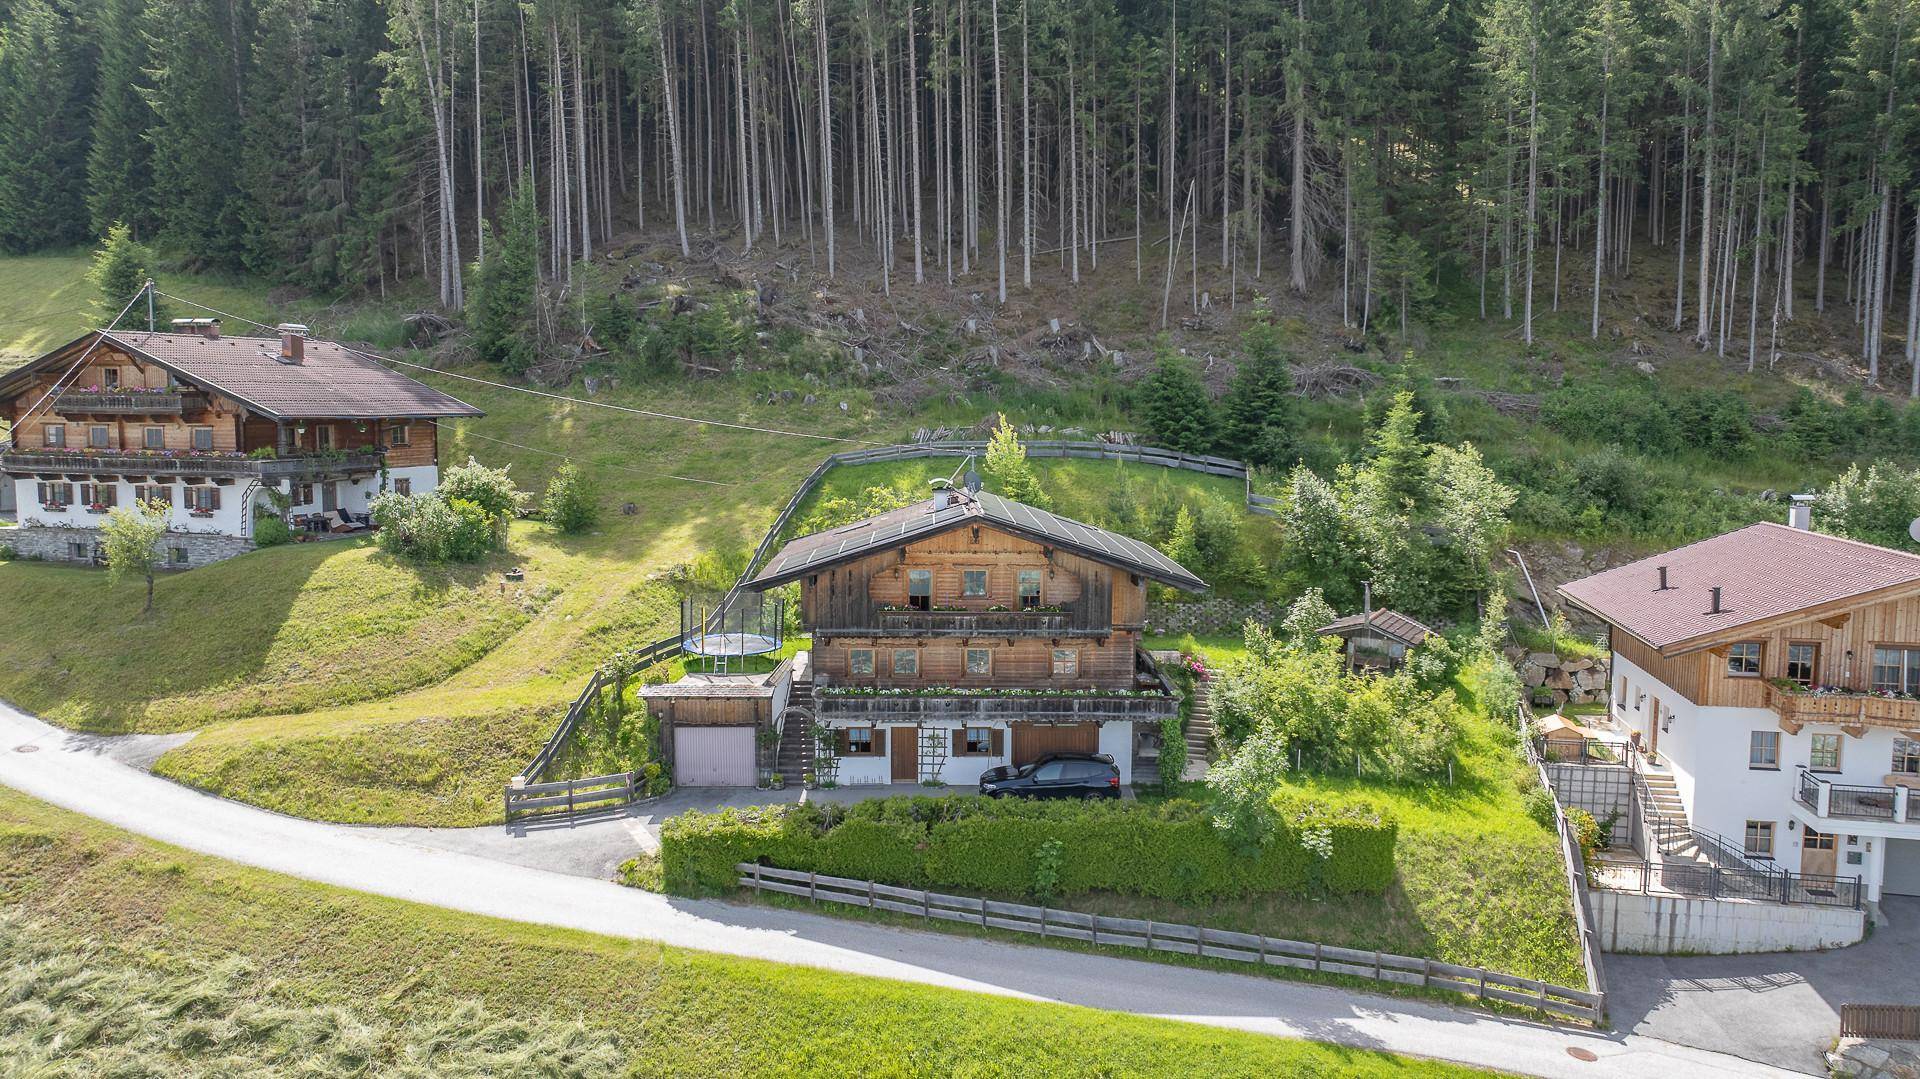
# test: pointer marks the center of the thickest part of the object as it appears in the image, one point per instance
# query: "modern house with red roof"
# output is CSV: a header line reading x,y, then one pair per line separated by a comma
x,y
210,425
1772,675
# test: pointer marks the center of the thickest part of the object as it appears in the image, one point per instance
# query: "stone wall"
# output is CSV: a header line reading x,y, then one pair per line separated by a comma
x,y
1676,925
52,544
1216,615
1578,681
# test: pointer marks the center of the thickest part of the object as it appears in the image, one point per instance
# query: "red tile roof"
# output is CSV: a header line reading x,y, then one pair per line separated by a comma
x,y
1764,572
332,382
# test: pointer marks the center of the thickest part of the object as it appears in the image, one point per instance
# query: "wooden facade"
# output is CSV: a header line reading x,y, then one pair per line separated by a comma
x,y
1079,632
1832,648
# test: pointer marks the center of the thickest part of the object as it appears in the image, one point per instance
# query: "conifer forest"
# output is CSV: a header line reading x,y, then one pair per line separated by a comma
x,y
1520,152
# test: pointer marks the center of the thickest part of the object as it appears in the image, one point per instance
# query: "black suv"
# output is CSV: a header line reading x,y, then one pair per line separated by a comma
x,y
1055,775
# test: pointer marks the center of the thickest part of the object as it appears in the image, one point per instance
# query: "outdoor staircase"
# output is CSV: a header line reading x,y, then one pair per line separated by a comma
x,y
795,755
1663,805
1199,731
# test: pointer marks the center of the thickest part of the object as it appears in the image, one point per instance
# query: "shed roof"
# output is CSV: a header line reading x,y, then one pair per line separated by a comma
x,y
1400,627
331,382
712,685
953,509
1765,572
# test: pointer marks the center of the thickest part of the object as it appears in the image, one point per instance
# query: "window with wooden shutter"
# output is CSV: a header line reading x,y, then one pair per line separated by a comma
x,y
154,438
203,439
98,436
54,435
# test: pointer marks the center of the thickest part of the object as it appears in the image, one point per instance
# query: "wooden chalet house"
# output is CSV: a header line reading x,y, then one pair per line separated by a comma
x,y
968,630
1772,676
208,423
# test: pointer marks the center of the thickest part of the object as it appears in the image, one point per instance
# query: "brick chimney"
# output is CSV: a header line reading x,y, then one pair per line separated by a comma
x,y
293,343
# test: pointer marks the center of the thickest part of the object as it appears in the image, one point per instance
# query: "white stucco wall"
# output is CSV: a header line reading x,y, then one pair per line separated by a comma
x,y
229,520
1116,740
1667,925
1707,750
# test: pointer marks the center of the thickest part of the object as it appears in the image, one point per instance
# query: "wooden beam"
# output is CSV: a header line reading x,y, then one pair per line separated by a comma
x,y
1837,621
1790,726
1854,729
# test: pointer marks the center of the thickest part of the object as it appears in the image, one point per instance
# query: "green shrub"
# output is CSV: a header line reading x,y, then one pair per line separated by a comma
x,y
570,503
1539,805
1166,851
271,531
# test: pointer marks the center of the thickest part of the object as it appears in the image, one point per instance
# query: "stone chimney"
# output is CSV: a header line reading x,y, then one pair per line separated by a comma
x,y
1800,513
293,343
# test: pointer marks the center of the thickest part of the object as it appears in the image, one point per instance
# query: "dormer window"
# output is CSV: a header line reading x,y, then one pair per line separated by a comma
x,y
1743,659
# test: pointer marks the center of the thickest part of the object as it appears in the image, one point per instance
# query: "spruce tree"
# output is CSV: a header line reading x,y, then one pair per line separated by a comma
x,y
198,96
1174,408
1008,469
1257,416
1398,456
43,147
120,270
119,179
508,281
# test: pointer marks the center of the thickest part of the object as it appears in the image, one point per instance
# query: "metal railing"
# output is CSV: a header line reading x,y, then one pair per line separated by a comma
x,y
1826,798
1149,935
1573,864
1717,882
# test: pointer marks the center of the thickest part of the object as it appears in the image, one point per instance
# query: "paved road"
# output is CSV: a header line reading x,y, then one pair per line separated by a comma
x,y
78,774
1782,1007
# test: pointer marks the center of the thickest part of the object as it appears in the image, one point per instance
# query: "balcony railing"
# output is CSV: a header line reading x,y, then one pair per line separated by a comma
x,y
931,705
1841,707
136,462
1842,801
984,623
153,403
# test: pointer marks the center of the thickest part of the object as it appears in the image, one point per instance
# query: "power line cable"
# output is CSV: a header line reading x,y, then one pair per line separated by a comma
x,y
68,373
556,396
464,433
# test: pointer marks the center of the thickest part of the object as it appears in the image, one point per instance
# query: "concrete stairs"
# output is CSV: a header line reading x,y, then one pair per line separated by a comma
x,y
1199,732
1664,806
795,755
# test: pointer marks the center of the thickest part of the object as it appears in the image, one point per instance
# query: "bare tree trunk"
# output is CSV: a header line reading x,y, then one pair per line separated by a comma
x,y
1026,152
673,143
479,156
999,151
913,135
1297,196
1707,150
580,140
826,134
1600,191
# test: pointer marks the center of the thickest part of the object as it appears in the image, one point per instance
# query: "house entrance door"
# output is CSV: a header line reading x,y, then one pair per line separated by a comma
x,y
329,496
1817,853
903,746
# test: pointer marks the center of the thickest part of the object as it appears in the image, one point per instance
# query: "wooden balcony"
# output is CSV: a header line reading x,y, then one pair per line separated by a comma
x,y
1851,710
1063,623
121,403
934,707
100,464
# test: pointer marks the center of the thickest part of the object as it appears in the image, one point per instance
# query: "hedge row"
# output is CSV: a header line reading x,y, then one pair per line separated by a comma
x,y
1168,850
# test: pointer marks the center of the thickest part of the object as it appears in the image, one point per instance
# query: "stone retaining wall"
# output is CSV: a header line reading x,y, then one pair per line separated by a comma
x,y
1217,615
1576,681
1678,925
51,543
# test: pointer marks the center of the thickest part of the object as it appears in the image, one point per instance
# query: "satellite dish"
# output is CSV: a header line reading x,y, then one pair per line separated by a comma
x,y
1913,529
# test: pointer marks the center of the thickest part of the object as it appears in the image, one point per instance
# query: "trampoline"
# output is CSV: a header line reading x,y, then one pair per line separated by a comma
x,y
719,632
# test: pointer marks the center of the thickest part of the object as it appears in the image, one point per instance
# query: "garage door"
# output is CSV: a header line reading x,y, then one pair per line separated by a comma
x,y
713,756
1030,741
1903,867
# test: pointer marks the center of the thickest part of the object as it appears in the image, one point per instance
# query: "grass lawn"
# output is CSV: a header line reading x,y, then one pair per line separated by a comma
x,y
120,955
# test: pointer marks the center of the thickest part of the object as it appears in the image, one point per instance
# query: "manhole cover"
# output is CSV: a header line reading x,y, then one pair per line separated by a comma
x,y
26,749
1578,1053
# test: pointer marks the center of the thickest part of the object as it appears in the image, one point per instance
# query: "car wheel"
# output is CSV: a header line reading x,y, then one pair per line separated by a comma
x,y
998,794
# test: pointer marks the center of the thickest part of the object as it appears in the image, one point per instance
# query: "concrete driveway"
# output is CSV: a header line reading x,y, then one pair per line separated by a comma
x,y
1781,1008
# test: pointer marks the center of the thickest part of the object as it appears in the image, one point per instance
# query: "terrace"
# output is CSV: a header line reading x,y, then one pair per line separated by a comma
x,y
1858,804
1152,699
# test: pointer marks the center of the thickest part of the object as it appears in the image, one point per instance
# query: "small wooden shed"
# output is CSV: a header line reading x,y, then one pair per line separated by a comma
x,y
1377,639
1561,739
